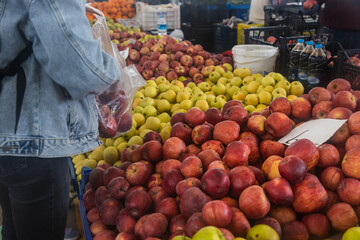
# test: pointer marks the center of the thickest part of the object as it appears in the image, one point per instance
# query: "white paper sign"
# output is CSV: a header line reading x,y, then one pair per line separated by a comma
x,y
318,131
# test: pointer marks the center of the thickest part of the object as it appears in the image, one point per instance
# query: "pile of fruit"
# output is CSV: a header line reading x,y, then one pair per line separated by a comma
x,y
114,9
226,169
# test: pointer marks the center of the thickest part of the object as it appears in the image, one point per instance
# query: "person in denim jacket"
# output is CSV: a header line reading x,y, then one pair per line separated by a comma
x,y
50,70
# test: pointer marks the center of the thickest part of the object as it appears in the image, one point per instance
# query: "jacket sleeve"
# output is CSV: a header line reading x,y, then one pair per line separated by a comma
x,y
64,46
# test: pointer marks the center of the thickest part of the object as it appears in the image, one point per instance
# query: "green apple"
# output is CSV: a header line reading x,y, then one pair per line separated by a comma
x,y
160,80
214,76
186,104
170,95
149,111
165,132
180,110
278,95
232,90
269,89
268,81
196,89
228,74
265,97
177,83
150,83
164,117
220,70
228,67
218,89
208,233
223,80
138,109
182,95
249,108
147,101
163,87
222,96
280,91
285,84
260,88
247,80
251,99
182,78
262,231
134,123
256,75
139,95
239,95
135,140
252,87
236,81
187,89
209,97
296,88
174,108
259,79
119,140
139,118
202,104
143,132
162,125
136,102
351,233
244,87
199,96
130,133
152,123
217,102
242,72
191,85
175,88
278,77
204,86
163,105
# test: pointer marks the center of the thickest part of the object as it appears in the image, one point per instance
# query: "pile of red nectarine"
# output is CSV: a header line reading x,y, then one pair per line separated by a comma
x,y
226,169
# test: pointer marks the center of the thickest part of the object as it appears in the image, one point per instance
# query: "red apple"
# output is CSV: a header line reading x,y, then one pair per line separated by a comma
x,y
154,180
342,216
215,145
309,195
118,187
215,182
351,164
339,84
354,123
93,215
170,164
226,131
201,134
237,114
306,150
281,104
259,175
254,203
256,124
96,178
125,222
239,224
219,164
157,194
240,177
177,223
271,222
89,199
345,99
341,135
301,108
265,167
279,191
329,155
331,178
322,109
217,213
191,167
173,148
318,94
278,124
295,230
182,131
133,153
283,214
170,180
254,155
109,210
101,195
352,142
111,173
208,156
269,148
138,203
292,168
317,224
339,113
105,234
349,191
194,223
185,184
137,173
192,201
213,115
177,117
236,154
151,151
168,207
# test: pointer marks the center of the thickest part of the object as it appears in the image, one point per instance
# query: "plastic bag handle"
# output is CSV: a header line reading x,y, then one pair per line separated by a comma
x,y
93,10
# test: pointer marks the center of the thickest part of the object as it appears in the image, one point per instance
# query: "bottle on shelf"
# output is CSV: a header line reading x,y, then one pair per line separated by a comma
x,y
316,67
295,59
161,25
304,62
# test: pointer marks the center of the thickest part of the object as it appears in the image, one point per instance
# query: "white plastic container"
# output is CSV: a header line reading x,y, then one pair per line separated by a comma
x,y
258,58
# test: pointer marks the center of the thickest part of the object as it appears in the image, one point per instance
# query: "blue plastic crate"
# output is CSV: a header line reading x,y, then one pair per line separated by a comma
x,y
239,11
85,172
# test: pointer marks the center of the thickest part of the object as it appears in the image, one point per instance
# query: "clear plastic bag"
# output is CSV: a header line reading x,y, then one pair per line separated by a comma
x,y
114,105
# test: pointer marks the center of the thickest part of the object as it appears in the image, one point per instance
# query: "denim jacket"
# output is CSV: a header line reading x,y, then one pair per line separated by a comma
x,y
58,114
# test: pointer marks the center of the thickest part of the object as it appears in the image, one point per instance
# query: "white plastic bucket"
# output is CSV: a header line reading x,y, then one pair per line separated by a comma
x,y
258,58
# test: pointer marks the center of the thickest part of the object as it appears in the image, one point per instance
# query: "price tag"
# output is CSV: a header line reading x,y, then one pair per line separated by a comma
x,y
318,131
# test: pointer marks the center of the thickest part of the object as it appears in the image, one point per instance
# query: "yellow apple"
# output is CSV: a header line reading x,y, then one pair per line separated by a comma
x,y
265,97
251,99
